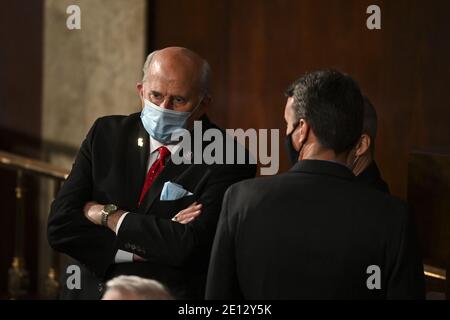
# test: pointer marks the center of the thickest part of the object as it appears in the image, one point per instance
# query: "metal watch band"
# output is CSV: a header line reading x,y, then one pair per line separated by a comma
x,y
104,218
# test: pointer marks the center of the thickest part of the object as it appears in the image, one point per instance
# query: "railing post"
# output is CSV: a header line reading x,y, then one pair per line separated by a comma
x,y
447,278
51,285
18,278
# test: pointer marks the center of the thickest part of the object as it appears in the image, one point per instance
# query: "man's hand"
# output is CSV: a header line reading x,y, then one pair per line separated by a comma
x,y
93,211
187,215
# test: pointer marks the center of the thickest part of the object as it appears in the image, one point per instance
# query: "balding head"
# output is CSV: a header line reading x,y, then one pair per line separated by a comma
x,y
178,79
183,62
135,288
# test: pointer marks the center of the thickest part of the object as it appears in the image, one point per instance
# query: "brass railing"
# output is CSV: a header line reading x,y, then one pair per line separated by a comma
x,y
18,276
18,281
434,272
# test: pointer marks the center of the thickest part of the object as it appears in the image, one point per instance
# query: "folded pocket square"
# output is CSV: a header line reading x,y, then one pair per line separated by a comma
x,y
173,191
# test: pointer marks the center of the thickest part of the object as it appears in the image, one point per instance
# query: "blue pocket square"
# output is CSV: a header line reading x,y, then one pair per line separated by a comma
x,y
173,191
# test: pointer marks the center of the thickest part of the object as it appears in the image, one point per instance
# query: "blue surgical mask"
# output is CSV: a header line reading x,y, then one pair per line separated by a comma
x,y
161,123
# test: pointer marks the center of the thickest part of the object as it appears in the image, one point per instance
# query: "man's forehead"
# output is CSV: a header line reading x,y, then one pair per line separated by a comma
x,y
172,74
175,68
289,112
290,105
161,84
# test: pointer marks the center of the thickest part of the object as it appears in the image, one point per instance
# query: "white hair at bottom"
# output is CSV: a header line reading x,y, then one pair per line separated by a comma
x,y
145,289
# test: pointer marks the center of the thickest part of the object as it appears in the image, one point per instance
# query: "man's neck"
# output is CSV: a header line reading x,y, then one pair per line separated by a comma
x,y
314,151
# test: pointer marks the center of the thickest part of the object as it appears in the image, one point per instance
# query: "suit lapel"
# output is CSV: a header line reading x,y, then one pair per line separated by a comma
x,y
137,153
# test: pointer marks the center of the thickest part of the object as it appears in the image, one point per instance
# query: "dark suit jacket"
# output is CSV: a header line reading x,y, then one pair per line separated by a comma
x,y
110,168
311,233
371,176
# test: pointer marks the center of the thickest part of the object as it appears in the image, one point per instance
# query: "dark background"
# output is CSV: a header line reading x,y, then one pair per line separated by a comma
x,y
256,48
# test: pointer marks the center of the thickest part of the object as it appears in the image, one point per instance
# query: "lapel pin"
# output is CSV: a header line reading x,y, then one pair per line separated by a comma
x,y
140,142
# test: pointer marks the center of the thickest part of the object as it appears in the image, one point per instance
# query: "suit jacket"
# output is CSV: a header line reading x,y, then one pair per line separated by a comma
x,y
371,176
110,168
312,233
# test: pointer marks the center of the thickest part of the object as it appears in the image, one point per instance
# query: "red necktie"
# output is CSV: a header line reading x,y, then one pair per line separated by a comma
x,y
154,171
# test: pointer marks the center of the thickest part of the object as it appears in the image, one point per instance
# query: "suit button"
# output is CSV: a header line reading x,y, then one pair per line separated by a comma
x,y
100,287
133,247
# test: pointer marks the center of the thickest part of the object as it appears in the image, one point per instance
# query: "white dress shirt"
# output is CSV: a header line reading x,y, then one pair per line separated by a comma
x,y
125,256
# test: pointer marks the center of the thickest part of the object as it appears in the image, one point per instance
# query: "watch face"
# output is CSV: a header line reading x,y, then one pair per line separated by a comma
x,y
110,208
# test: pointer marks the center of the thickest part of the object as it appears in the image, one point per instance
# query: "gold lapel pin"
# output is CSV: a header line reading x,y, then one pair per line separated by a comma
x,y
140,142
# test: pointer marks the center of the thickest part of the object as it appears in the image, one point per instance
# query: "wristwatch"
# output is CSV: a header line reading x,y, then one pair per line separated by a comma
x,y
107,210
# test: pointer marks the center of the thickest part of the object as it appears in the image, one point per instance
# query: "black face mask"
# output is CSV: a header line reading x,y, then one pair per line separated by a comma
x,y
291,152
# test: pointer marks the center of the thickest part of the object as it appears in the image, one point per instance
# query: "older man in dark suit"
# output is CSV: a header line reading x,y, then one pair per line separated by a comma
x,y
115,213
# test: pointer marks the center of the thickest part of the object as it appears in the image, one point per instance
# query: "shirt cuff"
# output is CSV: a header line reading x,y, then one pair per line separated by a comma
x,y
119,222
123,256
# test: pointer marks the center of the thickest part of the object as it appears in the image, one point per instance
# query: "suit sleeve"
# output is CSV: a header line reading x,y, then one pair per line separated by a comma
x,y
68,230
166,242
407,279
222,282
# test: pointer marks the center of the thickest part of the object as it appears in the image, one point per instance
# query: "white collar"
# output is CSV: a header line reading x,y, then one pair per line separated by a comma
x,y
155,144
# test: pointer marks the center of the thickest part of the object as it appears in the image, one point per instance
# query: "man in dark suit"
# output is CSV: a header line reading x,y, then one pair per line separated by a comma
x,y
312,232
115,213
362,158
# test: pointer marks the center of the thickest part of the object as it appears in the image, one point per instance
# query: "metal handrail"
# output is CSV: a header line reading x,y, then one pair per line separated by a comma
x,y
434,272
20,163
16,162
18,276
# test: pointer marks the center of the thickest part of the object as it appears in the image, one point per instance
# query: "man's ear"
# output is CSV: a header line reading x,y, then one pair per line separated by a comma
x,y
140,89
363,145
303,132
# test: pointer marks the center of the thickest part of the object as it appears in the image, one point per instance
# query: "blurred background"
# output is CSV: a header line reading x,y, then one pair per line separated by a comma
x,y
54,82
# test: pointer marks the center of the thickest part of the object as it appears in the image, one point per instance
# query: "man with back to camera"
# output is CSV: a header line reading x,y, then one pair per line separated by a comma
x,y
117,212
362,157
312,232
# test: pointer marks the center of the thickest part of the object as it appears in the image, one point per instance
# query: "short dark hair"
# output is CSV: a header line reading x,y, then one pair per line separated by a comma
x,y
332,104
370,120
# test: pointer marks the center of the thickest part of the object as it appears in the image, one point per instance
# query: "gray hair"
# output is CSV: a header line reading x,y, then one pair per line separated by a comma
x,y
205,76
145,289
